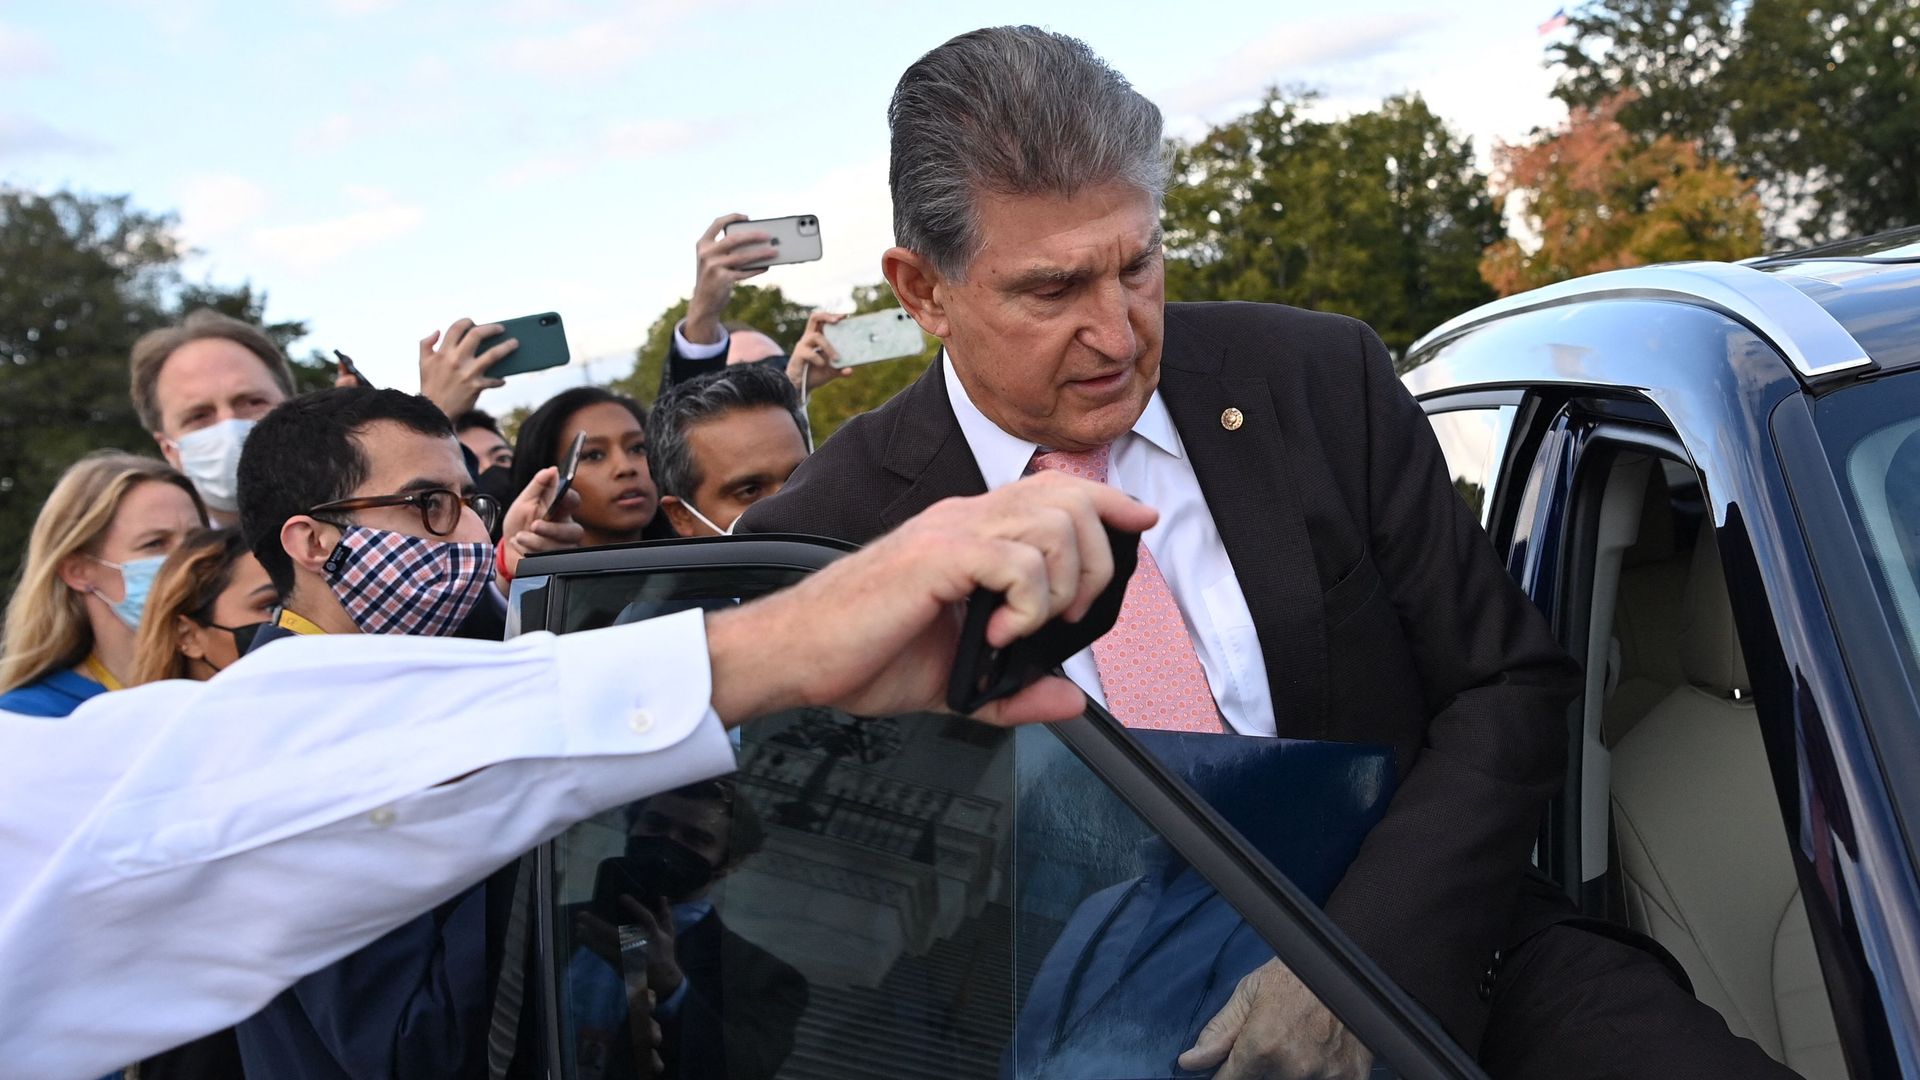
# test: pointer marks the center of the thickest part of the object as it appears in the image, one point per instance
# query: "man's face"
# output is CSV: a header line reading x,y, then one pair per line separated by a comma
x,y
489,448
699,825
741,457
206,381
1056,332
402,461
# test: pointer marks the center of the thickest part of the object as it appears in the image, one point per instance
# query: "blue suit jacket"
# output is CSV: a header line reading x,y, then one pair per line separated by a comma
x,y
53,695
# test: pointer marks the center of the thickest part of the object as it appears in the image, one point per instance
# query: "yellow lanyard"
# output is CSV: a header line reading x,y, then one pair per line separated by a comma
x,y
299,624
99,673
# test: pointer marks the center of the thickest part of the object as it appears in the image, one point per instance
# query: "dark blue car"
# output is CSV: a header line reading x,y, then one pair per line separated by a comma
x,y
1708,475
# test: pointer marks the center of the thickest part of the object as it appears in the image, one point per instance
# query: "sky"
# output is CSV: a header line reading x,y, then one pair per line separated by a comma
x,y
383,167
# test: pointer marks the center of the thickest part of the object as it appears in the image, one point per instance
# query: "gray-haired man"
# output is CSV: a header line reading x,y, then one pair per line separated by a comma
x,y
1329,582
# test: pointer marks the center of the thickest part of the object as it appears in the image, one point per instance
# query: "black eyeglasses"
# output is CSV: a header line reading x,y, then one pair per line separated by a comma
x,y
439,507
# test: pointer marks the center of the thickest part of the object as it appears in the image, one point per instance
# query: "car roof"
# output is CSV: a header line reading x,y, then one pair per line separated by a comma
x,y
1836,311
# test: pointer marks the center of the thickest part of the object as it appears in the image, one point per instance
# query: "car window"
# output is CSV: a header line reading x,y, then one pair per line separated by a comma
x,y
1883,485
1472,441
903,896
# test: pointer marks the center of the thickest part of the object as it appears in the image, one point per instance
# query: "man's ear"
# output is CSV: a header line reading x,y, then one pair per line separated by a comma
x,y
191,636
916,283
308,541
167,449
683,522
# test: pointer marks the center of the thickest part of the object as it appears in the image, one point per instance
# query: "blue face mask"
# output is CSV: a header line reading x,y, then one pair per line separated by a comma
x,y
136,577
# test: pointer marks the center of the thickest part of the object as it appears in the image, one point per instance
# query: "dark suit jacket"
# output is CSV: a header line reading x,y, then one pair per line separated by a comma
x,y
681,368
1384,614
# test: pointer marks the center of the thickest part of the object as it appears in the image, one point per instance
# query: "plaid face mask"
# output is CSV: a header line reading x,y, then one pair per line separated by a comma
x,y
392,583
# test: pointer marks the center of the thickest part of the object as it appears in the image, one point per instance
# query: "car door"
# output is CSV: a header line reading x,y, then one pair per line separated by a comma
x,y
919,896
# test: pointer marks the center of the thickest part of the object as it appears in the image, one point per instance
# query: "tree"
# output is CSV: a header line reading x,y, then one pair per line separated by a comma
x,y
1598,199
81,278
1818,103
766,309
1381,215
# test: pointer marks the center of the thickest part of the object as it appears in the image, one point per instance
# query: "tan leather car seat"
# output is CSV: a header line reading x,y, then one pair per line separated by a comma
x,y
1703,848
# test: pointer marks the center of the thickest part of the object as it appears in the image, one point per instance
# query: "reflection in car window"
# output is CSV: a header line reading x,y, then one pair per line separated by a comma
x,y
912,896
1472,441
1883,475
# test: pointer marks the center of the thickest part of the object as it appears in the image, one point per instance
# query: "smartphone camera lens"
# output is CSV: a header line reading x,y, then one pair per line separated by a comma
x,y
775,241
548,320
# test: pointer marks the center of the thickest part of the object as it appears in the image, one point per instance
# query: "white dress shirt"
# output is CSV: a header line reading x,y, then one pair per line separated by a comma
x,y
1150,464
695,350
174,855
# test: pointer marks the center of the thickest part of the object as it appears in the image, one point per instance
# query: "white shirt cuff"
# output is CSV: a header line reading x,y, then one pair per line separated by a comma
x,y
698,352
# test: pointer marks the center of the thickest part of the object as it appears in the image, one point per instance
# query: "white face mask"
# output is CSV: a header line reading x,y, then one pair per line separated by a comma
x,y
211,459
708,522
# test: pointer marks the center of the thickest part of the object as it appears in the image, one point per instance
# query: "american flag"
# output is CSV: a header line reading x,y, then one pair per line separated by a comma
x,y
1559,20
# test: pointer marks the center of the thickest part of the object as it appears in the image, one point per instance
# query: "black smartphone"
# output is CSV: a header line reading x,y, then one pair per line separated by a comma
x,y
983,674
346,363
542,344
617,877
568,466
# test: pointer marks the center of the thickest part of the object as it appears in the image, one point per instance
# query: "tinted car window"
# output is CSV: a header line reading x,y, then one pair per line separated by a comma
x,y
1879,436
906,896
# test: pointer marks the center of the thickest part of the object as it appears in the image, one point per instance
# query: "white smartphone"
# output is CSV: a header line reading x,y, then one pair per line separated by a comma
x,y
875,336
796,238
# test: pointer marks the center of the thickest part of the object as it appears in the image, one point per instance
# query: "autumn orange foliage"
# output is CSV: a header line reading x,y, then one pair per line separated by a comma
x,y
1592,197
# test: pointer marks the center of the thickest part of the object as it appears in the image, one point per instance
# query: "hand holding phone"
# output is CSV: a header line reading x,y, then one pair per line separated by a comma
x,y
795,239
875,336
568,466
347,368
542,343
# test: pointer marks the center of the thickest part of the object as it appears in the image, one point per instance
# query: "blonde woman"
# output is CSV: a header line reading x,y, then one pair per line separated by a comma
x,y
210,598
99,540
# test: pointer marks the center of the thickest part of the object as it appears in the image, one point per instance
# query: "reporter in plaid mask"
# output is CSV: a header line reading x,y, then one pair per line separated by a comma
x,y
360,507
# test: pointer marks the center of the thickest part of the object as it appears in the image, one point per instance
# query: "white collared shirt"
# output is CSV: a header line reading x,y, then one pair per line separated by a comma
x,y
174,855
1150,464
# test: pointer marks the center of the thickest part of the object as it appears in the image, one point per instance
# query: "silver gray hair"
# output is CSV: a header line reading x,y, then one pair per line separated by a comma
x,y
1010,110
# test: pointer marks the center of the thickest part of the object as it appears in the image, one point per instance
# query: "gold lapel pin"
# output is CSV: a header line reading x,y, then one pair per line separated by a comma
x,y
1232,419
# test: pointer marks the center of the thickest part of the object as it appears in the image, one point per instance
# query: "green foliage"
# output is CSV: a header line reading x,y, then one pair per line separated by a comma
x,y
1381,215
766,309
81,278
1818,103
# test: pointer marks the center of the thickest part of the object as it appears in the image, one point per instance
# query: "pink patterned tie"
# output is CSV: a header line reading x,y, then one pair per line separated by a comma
x,y
1148,669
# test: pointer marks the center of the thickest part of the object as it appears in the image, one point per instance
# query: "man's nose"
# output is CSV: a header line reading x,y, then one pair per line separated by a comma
x,y
1108,330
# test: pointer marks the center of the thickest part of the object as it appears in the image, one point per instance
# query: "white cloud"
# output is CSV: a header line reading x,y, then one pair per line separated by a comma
x,y
649,138
24,136
214,205
24,53
1295,52
360,7
621,139
600,46
316,243
332,133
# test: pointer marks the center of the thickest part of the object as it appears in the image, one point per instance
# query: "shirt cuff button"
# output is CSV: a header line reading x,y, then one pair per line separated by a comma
x,y
382,817
641,721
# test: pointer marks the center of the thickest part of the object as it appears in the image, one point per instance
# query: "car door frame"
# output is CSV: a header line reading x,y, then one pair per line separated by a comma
x,y
1732,420
1381,1015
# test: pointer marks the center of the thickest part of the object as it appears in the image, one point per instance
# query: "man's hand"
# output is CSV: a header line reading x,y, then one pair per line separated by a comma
x,y
452,369
875,633
811,362
526,531
1274,1026
720,264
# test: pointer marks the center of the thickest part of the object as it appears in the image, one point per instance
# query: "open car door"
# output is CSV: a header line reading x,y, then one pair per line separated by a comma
x,y
916,896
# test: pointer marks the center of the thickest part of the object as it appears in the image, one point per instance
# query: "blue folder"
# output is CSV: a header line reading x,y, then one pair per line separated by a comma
x,y
1143,964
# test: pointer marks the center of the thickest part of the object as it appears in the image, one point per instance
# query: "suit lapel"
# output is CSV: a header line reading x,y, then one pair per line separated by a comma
x,y
928,450
1243,475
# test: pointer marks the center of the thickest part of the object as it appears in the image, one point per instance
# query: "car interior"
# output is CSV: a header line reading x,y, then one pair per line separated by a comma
x,y
1679,776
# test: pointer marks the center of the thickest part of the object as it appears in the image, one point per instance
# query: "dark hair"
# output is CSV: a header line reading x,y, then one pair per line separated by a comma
x,y
1010,110
709,397
745,832
476,418
305,453
538,445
